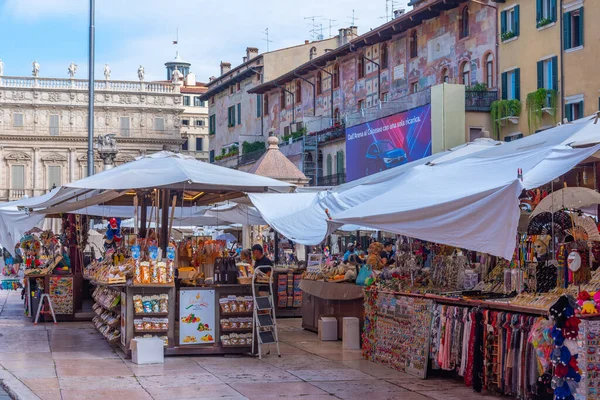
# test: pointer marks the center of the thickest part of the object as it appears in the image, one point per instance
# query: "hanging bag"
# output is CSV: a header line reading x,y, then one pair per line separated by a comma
x,y
364,274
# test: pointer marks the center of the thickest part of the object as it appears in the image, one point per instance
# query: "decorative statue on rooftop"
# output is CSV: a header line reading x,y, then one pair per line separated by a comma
x,y
1,68
176,76
141,73
72,70
107,72
36,69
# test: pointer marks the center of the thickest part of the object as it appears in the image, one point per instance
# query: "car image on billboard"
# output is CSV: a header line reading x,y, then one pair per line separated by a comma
x,y
388,142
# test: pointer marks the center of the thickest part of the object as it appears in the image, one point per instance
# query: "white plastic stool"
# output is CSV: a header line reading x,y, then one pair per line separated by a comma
x,y
351,333
327,327
41,305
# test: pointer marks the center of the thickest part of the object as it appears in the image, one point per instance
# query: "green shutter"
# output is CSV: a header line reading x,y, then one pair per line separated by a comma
x,y
567,30
258,105
553,10
516,28
581,112
540,74
555,73
569,112
539,11
504,85
518,84
239,113
503,21
581,26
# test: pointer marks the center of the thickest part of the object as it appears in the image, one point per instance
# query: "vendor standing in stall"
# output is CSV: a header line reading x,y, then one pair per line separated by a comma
x,y
387,255
259,256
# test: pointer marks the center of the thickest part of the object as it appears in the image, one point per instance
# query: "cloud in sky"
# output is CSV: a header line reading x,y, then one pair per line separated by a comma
x,y
134,32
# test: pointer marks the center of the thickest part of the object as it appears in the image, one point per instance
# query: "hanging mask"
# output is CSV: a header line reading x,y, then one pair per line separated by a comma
x,y
574,261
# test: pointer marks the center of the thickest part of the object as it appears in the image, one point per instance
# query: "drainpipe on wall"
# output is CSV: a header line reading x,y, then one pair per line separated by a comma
x,y
562,63
314,92
378,77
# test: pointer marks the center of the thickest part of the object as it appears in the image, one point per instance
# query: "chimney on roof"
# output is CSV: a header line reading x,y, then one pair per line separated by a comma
x,y
399,13
346,35
306,41
251,52
353,32
225,67
190,79
244,59
212,78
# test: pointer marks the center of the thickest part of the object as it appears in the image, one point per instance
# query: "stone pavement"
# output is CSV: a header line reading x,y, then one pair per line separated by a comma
x,y
72,361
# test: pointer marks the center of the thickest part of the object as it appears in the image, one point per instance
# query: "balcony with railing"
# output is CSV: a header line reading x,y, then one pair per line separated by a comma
x,y
330,180
476,100
21,82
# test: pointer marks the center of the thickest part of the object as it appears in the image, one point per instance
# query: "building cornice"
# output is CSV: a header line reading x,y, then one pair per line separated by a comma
x,y
82,139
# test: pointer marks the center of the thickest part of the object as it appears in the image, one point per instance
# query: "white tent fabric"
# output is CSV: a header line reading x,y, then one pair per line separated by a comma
x,y
237,214
175,171
432,198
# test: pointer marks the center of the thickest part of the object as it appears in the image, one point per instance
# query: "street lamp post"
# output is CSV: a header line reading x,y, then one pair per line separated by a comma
x,y
90,149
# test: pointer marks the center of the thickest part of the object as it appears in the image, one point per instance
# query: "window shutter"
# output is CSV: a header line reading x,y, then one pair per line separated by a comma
x,y
516,21
18,177
567,30
54,176
503,21
539,11
540,74
258,105
518,84
504,86
239,113
569,112
555,73
581,112
581,26
553,10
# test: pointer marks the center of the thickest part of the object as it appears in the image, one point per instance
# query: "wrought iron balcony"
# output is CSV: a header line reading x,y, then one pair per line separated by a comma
x,y
330,180
476,100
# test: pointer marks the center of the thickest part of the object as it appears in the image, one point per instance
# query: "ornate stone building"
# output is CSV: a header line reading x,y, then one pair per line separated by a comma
x,y
43,127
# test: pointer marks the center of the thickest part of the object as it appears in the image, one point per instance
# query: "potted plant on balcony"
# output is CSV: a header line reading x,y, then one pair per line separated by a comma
x,y
508,35
539,102
503,111
543,22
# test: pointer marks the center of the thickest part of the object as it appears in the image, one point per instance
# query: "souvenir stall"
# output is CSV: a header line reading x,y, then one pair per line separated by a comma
x,y
203,305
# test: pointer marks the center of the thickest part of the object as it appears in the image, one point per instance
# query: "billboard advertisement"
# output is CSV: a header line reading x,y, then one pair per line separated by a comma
x,y
388,142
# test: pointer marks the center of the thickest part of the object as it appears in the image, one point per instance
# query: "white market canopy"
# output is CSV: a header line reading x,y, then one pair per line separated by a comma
x,y
467,197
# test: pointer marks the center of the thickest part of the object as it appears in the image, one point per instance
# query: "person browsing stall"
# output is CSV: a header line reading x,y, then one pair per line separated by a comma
x,y
350,251
387,255
259,256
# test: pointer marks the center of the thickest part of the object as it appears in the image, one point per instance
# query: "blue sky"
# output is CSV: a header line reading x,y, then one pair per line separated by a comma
x,y
134,32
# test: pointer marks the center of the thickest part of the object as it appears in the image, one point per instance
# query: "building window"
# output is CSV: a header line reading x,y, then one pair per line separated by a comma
x,y
54,176
200,122
336,75
159,124
546,12
212,100
445,75
361,66
313,53
465,73
384,97
286,130
124,124
17,178
231,116
414,87
198,102
186,100
384,56
574,110
547,74
573,29
361,105
298,94
231,89
211,156
282,99
509,23
266,104
489,71
185,122
185,144
464,22
238,86
258,106
212,125
413,44
511,85
54,124
239,113
341,165
199,144
18,120
319,82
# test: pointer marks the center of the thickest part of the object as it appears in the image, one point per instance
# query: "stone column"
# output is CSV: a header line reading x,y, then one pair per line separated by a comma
x,y
71,165
34,170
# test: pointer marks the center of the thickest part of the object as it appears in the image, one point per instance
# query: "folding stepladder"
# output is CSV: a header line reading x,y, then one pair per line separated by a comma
x,y
264,323
40,309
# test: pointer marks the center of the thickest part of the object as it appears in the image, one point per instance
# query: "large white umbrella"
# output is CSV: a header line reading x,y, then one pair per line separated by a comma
x,y
570,197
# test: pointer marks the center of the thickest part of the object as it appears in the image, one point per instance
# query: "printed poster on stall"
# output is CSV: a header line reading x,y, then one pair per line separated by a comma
x,y
196,317
388,142
61,293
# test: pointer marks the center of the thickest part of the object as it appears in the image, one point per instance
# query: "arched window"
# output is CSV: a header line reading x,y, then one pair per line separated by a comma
x,y
464,22
361,66
319,82
313,52
341,165
266,104
336,76
329,165
413,44
336,116
283,102
465,72
445,75
298,94
384,56
489,71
